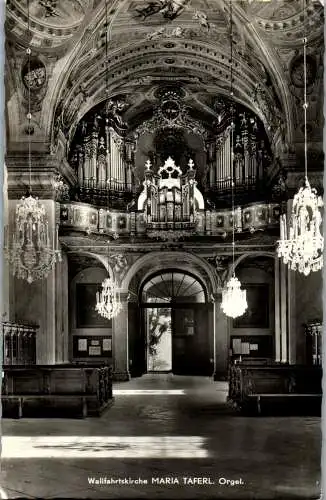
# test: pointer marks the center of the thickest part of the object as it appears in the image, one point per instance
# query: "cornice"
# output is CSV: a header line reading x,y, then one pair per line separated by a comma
x,y
100,245
44,171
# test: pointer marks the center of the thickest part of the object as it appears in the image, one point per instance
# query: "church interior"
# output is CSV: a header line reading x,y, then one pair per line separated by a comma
x,y
162,309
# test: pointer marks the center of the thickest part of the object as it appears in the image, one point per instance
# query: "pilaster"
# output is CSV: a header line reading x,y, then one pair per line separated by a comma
x,y
292,327
221,339
283,313
277,309
4,269
120,341
36,302
61,311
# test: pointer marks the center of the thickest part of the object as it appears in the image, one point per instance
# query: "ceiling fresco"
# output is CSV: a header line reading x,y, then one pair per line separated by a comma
x,y
86,52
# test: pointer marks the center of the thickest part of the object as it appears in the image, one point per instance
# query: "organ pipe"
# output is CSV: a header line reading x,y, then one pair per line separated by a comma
x,y
100,161
249,156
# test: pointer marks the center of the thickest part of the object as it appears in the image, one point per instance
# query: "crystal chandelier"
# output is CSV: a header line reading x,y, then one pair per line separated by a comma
x,y
34,251
234,299
32,255
302,244
108,302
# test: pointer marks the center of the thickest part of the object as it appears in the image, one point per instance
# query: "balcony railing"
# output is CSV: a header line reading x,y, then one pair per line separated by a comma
x,y
91,219
111,193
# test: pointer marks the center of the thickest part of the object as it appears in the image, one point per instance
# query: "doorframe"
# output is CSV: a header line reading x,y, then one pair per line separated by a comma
x,y
165,305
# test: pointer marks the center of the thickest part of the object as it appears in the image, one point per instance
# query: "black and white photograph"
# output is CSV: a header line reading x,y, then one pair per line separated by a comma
x,y
162,246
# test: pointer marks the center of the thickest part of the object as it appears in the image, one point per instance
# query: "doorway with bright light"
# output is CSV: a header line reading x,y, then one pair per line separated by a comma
x,y
175,319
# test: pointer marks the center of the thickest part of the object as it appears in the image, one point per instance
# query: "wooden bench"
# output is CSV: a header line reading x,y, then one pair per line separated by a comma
x,y
44,405
279,388
289,403
56,390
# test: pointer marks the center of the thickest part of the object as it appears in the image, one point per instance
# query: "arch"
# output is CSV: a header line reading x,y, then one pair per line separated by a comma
x,y
100,258
170,284
134,58
246,256
57,88
184,261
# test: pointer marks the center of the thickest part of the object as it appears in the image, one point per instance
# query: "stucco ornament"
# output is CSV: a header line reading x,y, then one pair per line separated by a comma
x,y
119,265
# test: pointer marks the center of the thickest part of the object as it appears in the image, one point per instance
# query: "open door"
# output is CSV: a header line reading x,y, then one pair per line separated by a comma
x,y
176,321
159,339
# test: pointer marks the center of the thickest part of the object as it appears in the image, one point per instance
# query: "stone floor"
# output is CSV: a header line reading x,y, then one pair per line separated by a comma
x,y
163,426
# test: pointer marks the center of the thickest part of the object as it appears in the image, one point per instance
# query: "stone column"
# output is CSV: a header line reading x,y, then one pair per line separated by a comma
x,y
221,339
120,341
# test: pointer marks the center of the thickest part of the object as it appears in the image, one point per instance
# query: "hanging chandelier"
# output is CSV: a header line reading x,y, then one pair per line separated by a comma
x,y
301,245
108,302
33,251
234,299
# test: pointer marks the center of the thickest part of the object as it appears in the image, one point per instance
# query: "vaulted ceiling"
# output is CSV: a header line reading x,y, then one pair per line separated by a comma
x,y
162,42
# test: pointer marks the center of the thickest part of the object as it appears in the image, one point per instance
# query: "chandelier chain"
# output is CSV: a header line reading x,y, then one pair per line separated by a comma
x,y
106,49
234,299
33,252
305,103
29,115
301,244
232,133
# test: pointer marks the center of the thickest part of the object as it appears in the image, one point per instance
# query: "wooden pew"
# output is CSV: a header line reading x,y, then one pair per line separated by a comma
x,y
278,388
56,390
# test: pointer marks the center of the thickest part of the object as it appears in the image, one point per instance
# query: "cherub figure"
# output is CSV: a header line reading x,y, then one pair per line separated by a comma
x,y
202,19
115,108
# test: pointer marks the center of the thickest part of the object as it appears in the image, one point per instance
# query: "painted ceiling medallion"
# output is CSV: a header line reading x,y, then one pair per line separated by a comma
x,y
34,74
169,9
57,12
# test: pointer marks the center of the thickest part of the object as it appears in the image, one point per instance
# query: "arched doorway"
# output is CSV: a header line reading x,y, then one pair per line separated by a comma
x,y
176,324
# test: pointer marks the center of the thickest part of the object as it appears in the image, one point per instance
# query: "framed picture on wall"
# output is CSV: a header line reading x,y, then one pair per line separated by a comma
x,y
86,315
257,313
90,346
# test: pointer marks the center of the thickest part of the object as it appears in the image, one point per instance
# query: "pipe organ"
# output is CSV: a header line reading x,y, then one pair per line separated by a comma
x,y
170,199
250,156
104,159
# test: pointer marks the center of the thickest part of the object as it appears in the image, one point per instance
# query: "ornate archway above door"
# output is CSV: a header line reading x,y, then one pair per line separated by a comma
x,y
158,262
172,287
